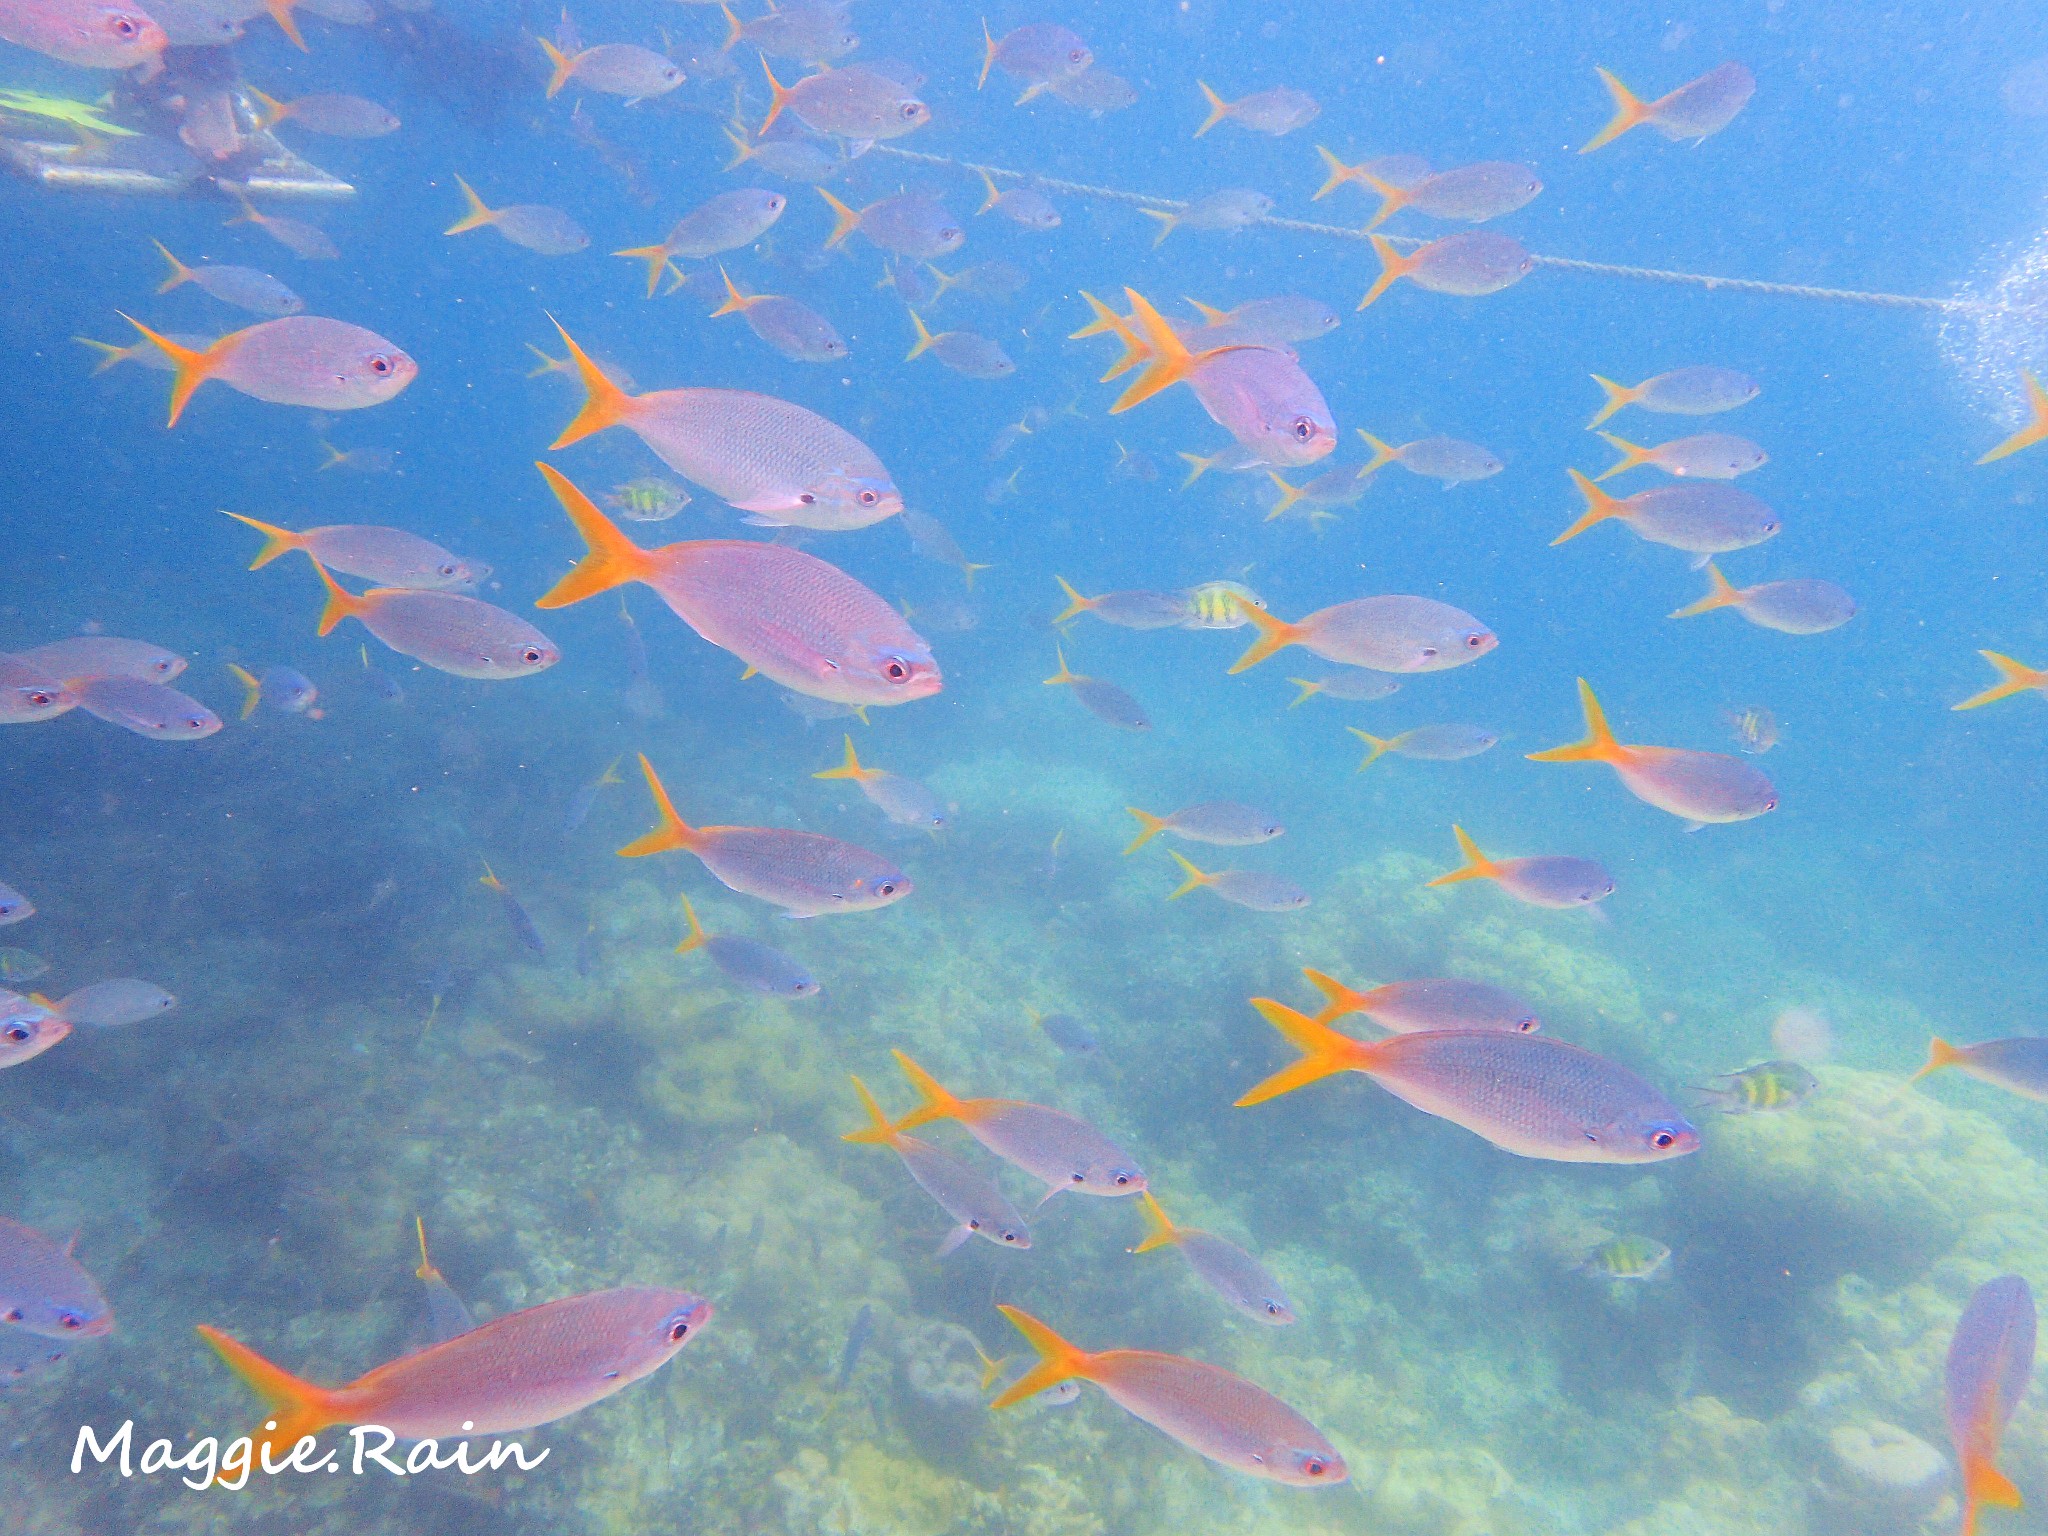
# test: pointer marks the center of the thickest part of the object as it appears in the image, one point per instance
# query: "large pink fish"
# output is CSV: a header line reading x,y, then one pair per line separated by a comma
x,y
1705,788
1990,1359
806,624
328,365
515,1372
446,630
97,34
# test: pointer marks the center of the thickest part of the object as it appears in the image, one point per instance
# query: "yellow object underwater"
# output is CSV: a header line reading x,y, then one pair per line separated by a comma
x,y
61,109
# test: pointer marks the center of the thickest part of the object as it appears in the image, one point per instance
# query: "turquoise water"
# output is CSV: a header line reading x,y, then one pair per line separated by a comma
x,y
360,1037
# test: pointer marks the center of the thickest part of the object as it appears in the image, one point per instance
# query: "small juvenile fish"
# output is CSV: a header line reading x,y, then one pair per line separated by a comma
x,y
327,365
1627,1258
1697,110
1041,54
1353,685
1054,1147
1546,880
1206,1408
1277,111
27,1029
1095,91
1026,206
1440,458
1700,517
1469,264
1431,743
2018,1065
794,329
516,917
1126,610
647,500
544,230
804,873
29,692
585,798
1102,699
856,1338
1223,822
1990,1360
2036,429
1342,486
518,1371
1703,456
44,1290
972,1199
14,907
1066,1032
390,557
1527,1094
330,115
724,223
930,539
811,33
85,656
756,966
1755,729
448,1316
362,461
304,240
998,279
2013,677
1275,322
147,709
1220,605
1221,1265
1437,1002
446,630
1799,607
1768,1088
903,800
1387,634
1704,788
114,1004
965,352
94,34
614,69
854,103
243,287
1393,170
1225,212
1251,888
1699,391
1470,194
285,689
907,223
21,965
795,159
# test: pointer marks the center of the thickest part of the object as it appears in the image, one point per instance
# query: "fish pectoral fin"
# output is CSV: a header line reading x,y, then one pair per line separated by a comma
x,y
953,1241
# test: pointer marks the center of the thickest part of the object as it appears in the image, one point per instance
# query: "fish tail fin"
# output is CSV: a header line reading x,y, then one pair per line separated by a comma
x,y
1324,1052
1058,1360
1219,109
1167,220
192,368
334,455
1628,111
993,197
1105,319
935,1103
612,559
1618,395
1477,866
1392,198
340,604
742,151
1599,508
1339,174
967,571
273,113
990,1368
296,1407
1632,455
735,301
547,364
1288,494
1306,690
489,879
1939,1054
694,939
1063,675
924,337
1720,594
252,690
844,219
1382,453
672,833
1149,827
2033,432
1393,265
426,1271
1171,360
606,406
476,215
1274,635
276,541
180,273
1198,466
850,769
1338,999
110,355
778,97
733,30
1159,1227
563,67
1196,878
2013,677
1375,746
281,13
1597,746
1076,603
656,257
988,53
1984,1484
878,1131
1210,314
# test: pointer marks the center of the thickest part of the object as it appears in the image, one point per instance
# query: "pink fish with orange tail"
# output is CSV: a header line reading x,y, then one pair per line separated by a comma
x,y
515,1372
1704,788
1697,110
327,365
1386,634
1990,1359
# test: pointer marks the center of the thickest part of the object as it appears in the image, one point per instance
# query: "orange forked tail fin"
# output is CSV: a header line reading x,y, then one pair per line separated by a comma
x,y
1477,866
1599,508
1392,198
288,24
1628,112
1149,827
2033,432
180,273
656,257
1274,635
612,560
993,196
564,66
878,1131
274,111
778,95
694,939
1598,744
1720,594
1339,174
1196,878
1984,1484
607,405
340,605
1170,361
850,769
1159,1228
276,541
1219,109
1324,1052
426,1271
1376,747
988,54
735,301
477,215
1618,395
192,368
252,689
1106,319
1939,1054
1076,603
1393,266
924,338
2013,677
935,1102
1383,454
1198,466
672,833
845,220
1063,675
297,1407
1289,494
1058,1360
1338,999
1632,454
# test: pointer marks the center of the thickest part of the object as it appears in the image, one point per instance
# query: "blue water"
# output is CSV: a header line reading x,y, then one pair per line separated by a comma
x,y
606,1114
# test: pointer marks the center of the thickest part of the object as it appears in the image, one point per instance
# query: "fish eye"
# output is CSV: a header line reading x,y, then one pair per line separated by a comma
x,y
911,109
886,888
1120,1180
974,1226
533,655
1315,1466
896,671
1771,804
39,698
448,568
1304,429
1077,57
19,1034
868,498
1662,1139
949,234
679,1330
11,1315
380,364
126,26
1475,641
